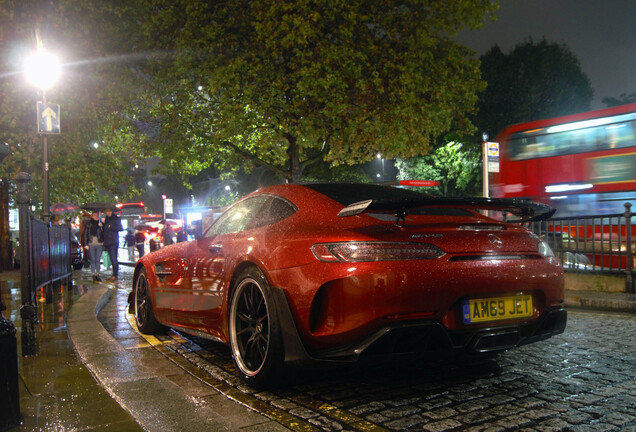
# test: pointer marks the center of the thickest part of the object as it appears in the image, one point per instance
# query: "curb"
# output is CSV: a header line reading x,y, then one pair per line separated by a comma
x,y
591,300
139,378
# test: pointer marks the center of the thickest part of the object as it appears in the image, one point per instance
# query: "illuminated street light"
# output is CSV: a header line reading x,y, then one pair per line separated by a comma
x,y
381,159
95,145
149,183
42,70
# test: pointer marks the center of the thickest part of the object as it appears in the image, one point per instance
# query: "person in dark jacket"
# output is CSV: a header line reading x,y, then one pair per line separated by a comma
x,y
112,227
94,242
167,233
140,242
130,245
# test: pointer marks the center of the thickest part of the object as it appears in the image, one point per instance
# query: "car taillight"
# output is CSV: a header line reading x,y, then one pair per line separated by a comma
x,y
374,251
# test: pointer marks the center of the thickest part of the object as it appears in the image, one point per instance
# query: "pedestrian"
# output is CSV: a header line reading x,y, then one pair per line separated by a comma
x,y
93,242
112,227
140,242
182,235
130,244
167,233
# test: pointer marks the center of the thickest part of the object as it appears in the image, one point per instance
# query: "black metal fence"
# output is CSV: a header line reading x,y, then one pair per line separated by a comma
x,y
601,243
45,258
52,242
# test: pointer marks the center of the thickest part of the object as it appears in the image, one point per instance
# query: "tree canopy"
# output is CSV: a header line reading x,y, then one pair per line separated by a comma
x,y
536,80
456,166
623,99
284,84
78,171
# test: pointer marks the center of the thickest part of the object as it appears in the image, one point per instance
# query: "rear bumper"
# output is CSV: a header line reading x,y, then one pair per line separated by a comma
x,y
421,338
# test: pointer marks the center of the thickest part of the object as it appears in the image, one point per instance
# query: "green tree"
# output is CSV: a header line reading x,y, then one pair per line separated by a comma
x,y
623,99
78,172
455,165
532,82
284,84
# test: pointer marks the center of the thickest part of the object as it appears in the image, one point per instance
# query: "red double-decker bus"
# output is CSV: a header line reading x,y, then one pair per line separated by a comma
x,y
582,164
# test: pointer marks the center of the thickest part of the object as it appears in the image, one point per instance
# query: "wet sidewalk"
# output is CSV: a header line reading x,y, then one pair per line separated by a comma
x,y
86,377
57,392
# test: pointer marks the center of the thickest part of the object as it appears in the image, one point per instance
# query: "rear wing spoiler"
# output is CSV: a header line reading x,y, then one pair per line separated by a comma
x,y
526,210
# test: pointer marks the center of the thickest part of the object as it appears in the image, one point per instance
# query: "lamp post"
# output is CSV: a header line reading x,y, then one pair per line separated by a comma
x,y
42,70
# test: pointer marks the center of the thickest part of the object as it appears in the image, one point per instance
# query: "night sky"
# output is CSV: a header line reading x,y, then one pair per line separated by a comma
x,y
601,33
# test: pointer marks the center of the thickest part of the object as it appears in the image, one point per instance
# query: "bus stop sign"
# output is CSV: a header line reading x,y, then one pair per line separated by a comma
x,y
492,151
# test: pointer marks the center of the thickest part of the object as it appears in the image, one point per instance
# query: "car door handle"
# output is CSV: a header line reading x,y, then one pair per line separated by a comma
x,y
215,248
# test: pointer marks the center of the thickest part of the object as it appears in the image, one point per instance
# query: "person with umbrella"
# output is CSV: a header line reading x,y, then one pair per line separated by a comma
x,y
93,240
112,227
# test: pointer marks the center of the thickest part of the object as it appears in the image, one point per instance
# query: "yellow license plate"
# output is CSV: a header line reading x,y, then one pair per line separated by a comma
x,y
497,308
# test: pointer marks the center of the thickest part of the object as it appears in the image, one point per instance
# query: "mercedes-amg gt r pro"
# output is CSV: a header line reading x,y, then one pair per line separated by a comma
x,y
345,272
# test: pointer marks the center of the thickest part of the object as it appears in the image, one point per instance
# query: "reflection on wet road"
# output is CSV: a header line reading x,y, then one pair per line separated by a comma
x,y
581,380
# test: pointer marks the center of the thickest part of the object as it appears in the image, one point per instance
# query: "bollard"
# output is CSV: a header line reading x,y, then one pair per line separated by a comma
x,y
9,392
629,275
28,311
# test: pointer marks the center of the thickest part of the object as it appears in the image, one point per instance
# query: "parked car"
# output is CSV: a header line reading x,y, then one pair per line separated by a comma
x,y
340,273
77,256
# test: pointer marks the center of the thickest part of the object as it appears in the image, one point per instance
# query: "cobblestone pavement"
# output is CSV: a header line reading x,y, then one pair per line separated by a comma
x,y
583,380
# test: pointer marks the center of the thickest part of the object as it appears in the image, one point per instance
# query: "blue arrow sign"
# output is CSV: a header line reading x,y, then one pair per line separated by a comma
x,y
48,120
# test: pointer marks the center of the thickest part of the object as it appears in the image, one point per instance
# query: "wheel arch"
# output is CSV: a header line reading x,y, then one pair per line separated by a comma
x,y
294,349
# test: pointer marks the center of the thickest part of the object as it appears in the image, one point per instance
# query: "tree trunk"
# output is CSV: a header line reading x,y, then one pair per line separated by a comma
x,y
295,171
5,249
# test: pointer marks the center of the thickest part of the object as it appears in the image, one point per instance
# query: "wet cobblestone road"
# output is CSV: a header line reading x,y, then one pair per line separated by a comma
x,y
583,380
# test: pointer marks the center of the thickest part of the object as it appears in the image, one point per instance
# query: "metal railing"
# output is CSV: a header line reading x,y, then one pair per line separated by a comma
x,y
45,259
601,243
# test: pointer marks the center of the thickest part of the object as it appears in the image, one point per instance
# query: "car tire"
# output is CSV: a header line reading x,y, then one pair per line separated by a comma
x,y
144,315
78,266
254,330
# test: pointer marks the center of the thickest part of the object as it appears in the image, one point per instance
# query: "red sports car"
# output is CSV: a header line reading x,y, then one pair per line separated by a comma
x,y
342,272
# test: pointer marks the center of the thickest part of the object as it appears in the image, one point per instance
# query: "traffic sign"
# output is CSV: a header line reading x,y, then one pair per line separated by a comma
x,y
493,149
167,206
493,156
48,121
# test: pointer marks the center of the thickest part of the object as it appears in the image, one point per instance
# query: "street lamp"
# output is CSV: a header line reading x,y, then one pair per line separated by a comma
x,y
381,159
42,70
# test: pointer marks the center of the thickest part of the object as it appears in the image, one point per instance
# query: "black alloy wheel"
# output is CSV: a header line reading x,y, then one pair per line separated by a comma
x,y
144,316
254,330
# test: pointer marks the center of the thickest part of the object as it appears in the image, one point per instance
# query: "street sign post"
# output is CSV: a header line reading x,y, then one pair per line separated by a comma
x,y
490,163
493,157
167,207
48,121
